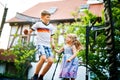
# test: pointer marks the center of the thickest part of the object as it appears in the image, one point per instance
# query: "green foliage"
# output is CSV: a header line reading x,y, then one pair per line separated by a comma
x,y
88,18
116,21
9,75
98,59
24,54
98,62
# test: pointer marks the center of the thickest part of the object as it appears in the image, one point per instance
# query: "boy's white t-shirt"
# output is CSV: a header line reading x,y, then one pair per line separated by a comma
x,y
44,33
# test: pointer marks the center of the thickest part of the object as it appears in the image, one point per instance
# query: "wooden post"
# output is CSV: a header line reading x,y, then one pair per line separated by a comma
x,y
3,19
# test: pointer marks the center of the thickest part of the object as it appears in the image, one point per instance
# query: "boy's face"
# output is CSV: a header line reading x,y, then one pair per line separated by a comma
x,y
46,19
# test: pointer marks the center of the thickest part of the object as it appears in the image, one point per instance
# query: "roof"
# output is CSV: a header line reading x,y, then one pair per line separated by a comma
x,y
8,57
64,9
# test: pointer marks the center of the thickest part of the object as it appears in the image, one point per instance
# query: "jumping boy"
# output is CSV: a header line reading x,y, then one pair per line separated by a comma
x,y
43,40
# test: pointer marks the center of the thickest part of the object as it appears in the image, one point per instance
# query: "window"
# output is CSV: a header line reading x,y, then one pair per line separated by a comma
x,y
84,7
52,10
94,1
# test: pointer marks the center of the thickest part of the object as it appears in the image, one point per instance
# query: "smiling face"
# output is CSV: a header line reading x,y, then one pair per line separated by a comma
x,y
68,39
45,19
45,16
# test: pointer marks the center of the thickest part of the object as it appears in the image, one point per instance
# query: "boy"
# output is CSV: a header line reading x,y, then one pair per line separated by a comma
x,y
44,32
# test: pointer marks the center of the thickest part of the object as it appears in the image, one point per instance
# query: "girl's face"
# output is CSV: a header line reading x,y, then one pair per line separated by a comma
x,y
46,19
68,39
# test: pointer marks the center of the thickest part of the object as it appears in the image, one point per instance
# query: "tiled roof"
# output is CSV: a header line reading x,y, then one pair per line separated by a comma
x,y
97,9
64,9
8,57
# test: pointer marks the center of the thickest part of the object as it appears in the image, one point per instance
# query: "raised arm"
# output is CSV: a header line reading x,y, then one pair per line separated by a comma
x,y
60,50
27,32
52,42
30,31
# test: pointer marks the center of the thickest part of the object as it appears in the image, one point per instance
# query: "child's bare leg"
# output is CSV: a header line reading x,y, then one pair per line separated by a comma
x,y
47,66
40,64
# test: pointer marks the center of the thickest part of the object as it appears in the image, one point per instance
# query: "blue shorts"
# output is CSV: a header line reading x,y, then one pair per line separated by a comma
x,y
45,50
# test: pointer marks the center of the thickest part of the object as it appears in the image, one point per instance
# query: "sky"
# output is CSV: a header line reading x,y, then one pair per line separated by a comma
x,y
18,6
14,6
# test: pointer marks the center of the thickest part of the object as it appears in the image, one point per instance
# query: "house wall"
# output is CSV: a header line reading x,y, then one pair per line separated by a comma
x,y
2,68
5,36
19,31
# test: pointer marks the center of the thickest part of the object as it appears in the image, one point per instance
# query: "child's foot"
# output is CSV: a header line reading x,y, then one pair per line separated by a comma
x,y
40,77
34,78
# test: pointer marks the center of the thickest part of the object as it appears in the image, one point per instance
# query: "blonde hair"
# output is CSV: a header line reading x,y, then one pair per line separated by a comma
x,y
45,12
75,41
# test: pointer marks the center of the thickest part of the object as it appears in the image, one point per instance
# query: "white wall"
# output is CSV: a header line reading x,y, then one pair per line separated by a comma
x,y
5,36
94,1
2,68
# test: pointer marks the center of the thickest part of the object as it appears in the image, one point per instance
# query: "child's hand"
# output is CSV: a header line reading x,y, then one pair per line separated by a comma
x,y
53,46
68,60
26,32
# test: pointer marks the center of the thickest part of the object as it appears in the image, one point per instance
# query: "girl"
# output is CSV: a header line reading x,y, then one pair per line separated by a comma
x,y
70,62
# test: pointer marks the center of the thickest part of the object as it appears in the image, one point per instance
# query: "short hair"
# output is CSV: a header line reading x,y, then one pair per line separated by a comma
x,y
45,12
